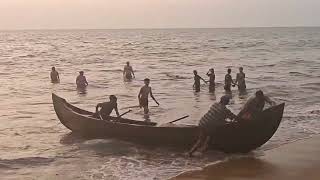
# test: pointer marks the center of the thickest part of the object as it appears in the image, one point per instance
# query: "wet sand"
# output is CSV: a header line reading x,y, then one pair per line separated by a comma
x,y
295,161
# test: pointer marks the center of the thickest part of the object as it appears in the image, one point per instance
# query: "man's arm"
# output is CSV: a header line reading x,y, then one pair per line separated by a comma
x,y
203,79
237,79
132,72
230,115
85,79
269,101
153,97
97,107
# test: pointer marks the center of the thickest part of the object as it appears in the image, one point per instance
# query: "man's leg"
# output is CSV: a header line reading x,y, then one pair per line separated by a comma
x,y
199,143
205,145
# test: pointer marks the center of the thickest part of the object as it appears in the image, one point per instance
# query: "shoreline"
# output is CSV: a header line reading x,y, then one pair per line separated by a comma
x,y
294,161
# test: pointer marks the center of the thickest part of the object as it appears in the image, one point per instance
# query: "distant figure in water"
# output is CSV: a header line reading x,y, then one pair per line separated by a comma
x,y
54,75
212,78
143,96
228,81
254,106
81,80
128,71
210,122
197,79
241,80
107,108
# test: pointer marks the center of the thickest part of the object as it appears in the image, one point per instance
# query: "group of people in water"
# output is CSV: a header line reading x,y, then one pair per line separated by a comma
x,y
209,123
228,81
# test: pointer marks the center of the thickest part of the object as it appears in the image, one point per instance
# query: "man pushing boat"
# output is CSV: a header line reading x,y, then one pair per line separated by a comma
x,y
209,123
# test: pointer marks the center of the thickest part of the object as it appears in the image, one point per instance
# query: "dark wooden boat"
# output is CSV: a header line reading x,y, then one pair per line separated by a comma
x,y
231,138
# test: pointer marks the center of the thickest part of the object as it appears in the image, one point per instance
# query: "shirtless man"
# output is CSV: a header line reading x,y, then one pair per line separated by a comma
x,y
54,75
128,71
144,94
212,77
81,80
254,106
197,79
228,81
241,80
107,108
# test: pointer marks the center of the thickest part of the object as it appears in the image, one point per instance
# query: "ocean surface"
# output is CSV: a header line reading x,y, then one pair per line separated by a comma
x,y
283,62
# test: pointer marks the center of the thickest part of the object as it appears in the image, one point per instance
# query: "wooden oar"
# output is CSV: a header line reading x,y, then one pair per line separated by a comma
x,y
178,119
125,113
117,117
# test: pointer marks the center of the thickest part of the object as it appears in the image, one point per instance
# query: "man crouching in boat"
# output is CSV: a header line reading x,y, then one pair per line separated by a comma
x,y
210,122
254,106
107,108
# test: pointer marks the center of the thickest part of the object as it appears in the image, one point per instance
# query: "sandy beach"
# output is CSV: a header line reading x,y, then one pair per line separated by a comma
x,y
295,161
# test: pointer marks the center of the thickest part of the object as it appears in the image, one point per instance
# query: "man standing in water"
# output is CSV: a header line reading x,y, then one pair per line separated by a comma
x,y
81,80
228,81
197,78
212,78
241,80
254,106
128,71
143,96
210,122
107,108
54,75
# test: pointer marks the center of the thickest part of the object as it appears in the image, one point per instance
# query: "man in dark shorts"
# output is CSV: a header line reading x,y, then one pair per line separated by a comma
x,y
107,108
197,79
144,94
210,122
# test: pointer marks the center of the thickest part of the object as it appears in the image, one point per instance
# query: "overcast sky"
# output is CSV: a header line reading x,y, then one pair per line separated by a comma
x,y
92,14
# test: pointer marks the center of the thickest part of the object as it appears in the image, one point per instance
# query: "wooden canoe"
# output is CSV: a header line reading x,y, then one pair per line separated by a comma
x,y
231,138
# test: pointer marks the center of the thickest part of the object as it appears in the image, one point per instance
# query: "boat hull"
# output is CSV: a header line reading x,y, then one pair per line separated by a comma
x,y
231,138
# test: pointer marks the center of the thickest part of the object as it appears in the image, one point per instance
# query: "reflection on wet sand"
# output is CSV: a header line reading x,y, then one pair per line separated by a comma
x,y
294,161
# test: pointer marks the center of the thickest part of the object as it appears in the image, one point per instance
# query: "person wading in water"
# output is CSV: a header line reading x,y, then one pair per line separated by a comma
x,y
228,81
212,78
197,78
143,96
128,71
210,122
54,75
240,80
81,80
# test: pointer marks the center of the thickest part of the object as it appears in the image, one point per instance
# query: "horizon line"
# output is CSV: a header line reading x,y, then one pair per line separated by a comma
x,y
157,28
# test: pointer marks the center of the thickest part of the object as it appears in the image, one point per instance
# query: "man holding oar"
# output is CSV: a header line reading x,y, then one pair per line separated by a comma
x,y
107,108
209,123
143,96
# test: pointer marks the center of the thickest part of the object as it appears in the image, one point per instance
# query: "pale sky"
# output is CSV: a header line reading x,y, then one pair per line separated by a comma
x,y
114,14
